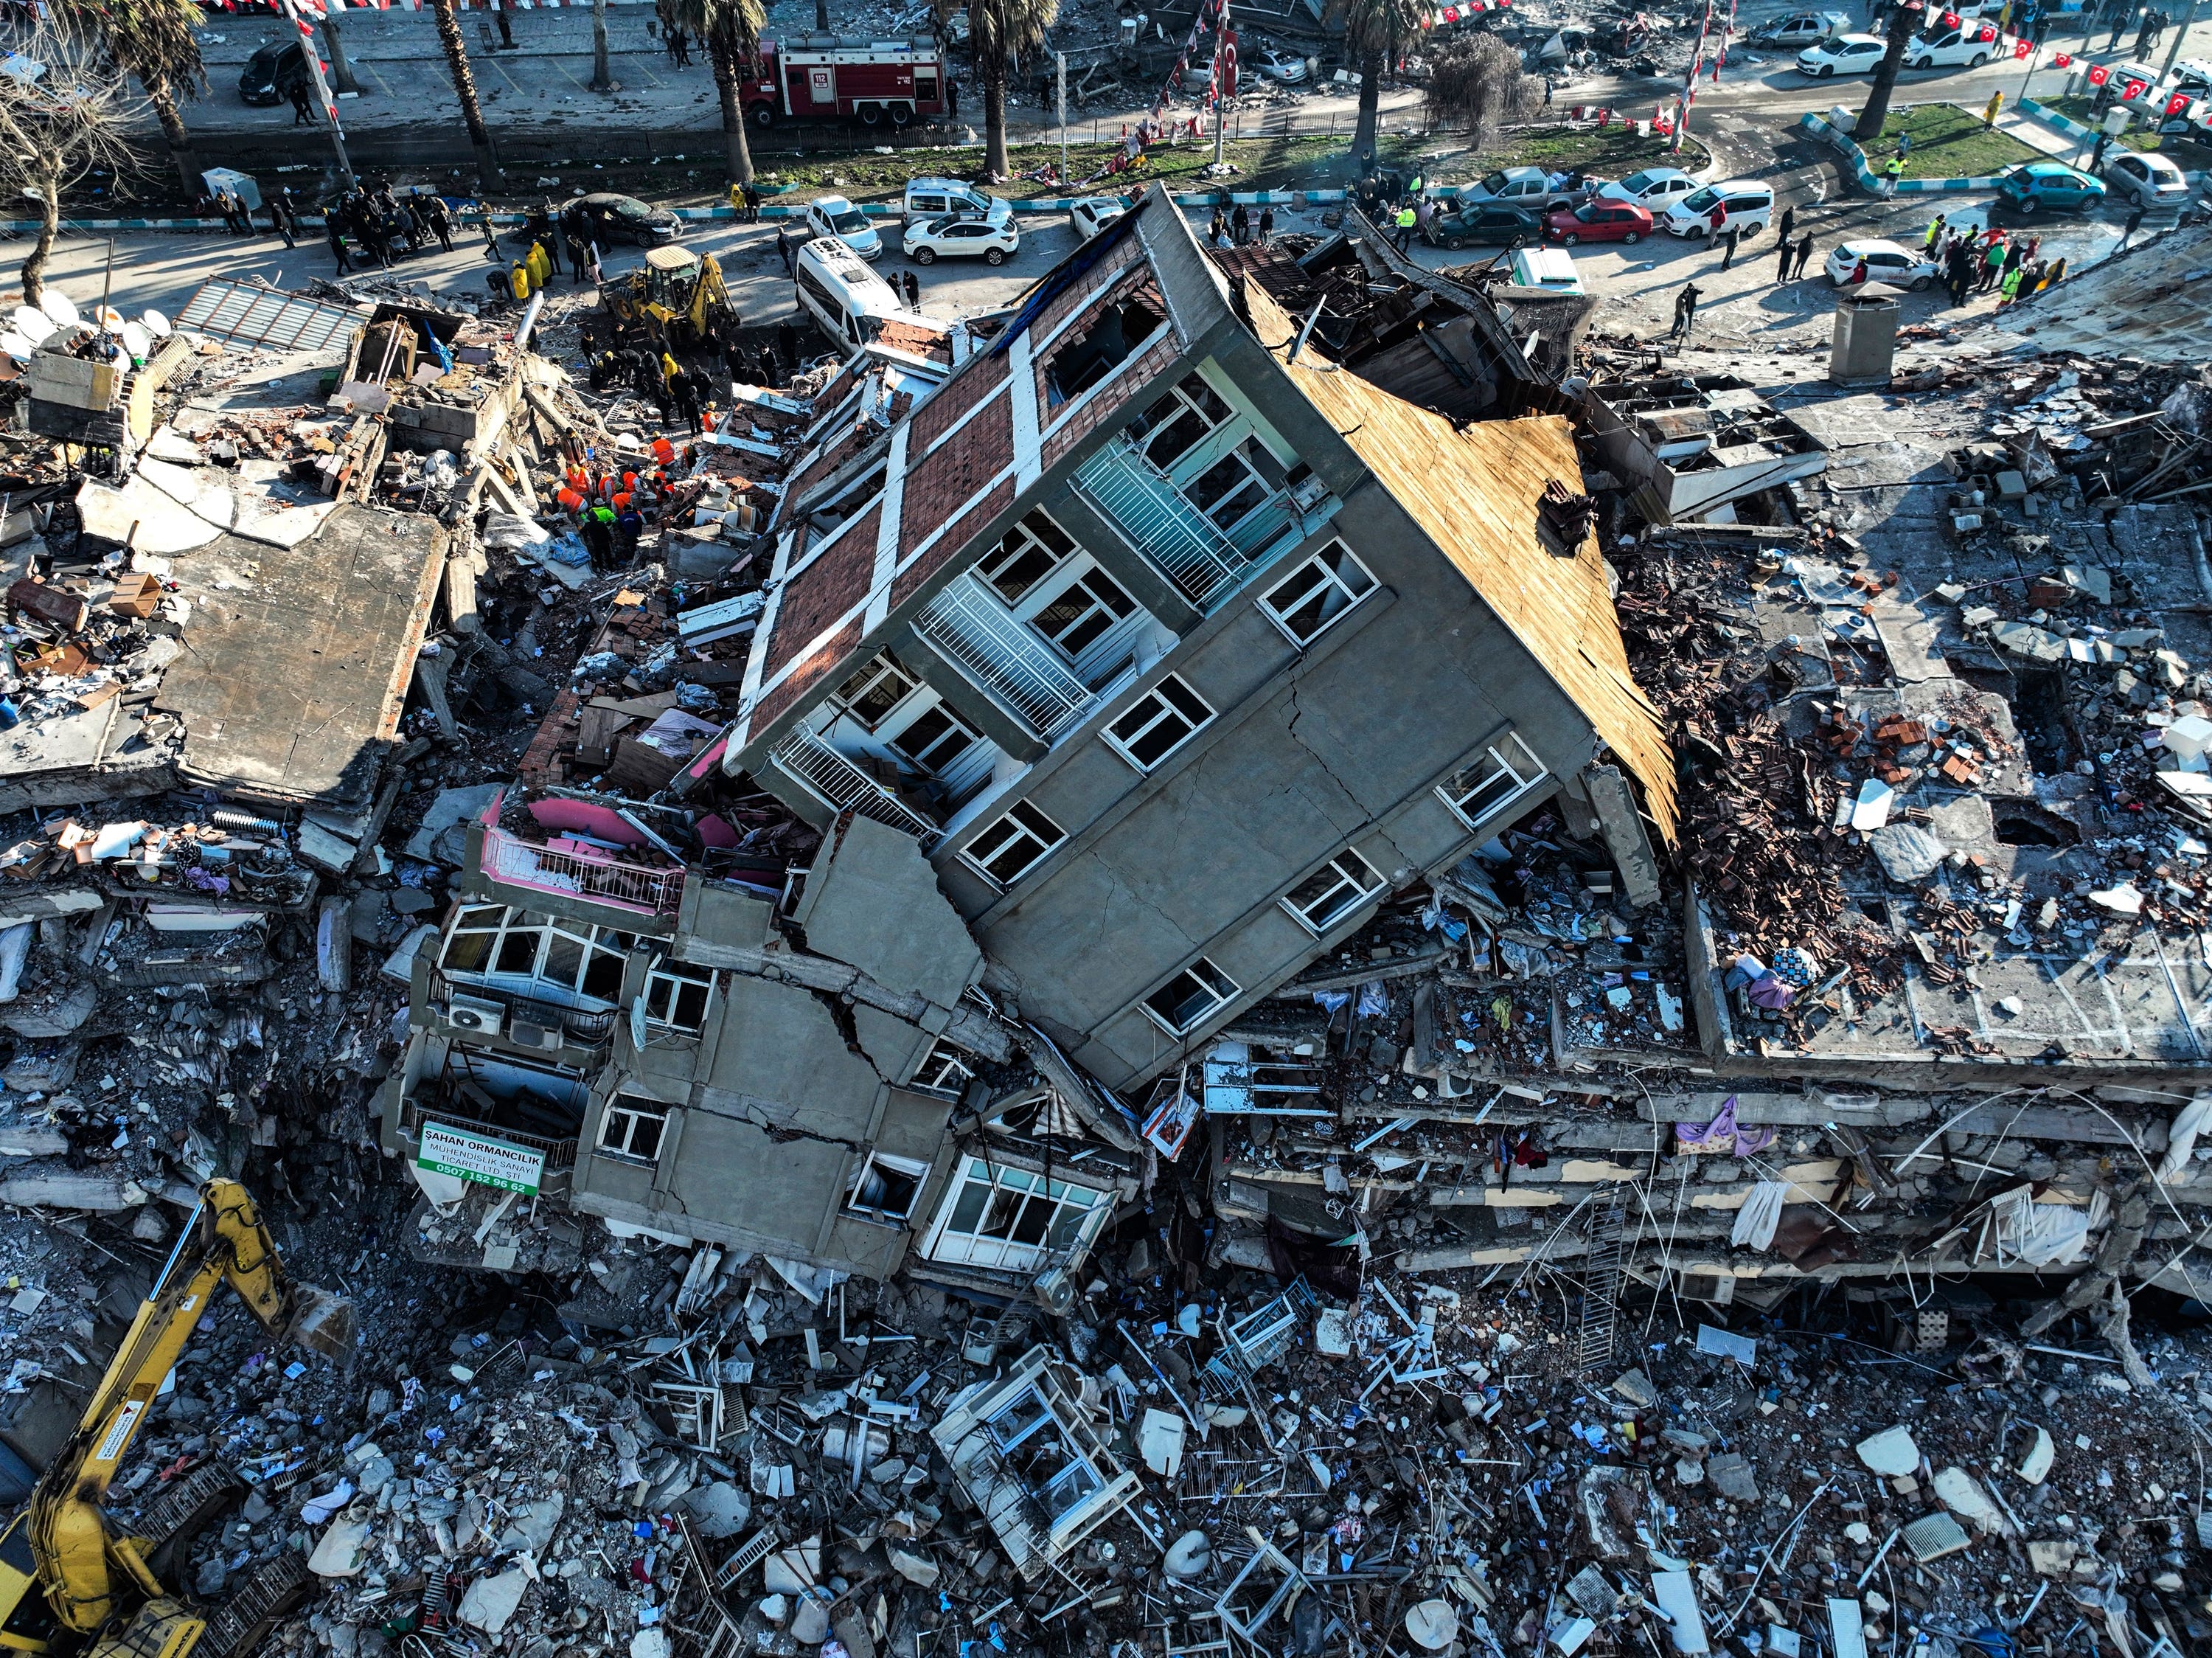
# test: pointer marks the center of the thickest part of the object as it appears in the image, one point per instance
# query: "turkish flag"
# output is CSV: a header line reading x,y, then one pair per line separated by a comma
x,y
1950,20
2020,48
2177,103
2133,90
1989,32
2099,74
2064,60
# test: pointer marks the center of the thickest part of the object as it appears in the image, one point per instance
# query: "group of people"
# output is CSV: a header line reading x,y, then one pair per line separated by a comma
x,y
610,503
1981,261
382,222
1241,227
284,216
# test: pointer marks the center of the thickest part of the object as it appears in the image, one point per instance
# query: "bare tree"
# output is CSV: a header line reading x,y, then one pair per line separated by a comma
x,y
1477,83
158,41
341,75
601,80
66,117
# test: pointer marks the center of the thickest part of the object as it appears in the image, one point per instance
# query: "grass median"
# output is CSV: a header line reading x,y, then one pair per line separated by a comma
x,y
1947,143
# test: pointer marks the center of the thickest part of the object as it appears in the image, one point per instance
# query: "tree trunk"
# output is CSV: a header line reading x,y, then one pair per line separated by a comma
x,y
173,133
464,88
1370,106
601,81
1867,131
341,71
737,151
993,73
822,15
50,224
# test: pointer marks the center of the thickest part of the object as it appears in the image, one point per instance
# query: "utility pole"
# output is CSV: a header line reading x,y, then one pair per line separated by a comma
x,y
1061,59
322,89
2180,33
1224,78
1690,81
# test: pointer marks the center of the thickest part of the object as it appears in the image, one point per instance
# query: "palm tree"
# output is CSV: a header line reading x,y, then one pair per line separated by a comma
x,y
1376,34
729,30
601,81
464,88
154,41
1903,20
999,32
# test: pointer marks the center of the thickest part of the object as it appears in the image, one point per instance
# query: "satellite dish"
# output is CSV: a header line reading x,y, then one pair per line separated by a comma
x,y
111,318
33,324
60,307
1434,1624
156,324
16,346
137,340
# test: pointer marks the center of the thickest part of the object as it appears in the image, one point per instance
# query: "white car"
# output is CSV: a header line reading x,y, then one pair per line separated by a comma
x,y
2147,180
951,237
1655,188
1744,204
1800,28
1282,66
1092,214
1962,48
1885,261
1847,54
838,220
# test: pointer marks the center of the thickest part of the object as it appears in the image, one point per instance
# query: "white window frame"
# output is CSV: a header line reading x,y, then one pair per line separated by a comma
x,y
911,1168
1175,392
1023,538
1345,867
946,1070
1470,793
664,986
972,1248
1202,973
619,1123
592,940
881,667
1076,572
1156,708
939,761
1020,827
1327,577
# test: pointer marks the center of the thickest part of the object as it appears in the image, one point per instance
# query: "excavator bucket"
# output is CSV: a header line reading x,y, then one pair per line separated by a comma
x,y
321,1322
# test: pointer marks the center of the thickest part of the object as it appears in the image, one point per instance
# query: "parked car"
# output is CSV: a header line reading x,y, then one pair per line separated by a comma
x,y
1598,221
271,73
933,199
1521,186
1654,188
1885,261
834,217
2030,186
952,237
1847,54
1486,224
1277,65
1091,214
1962,48
1745,204
2125,72
2147,180
603,219
1800,28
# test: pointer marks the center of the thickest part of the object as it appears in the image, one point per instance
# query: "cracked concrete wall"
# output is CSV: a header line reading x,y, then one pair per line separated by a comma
x,y
1309,751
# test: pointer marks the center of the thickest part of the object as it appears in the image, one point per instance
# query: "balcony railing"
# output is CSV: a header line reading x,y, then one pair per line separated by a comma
x,y
968,624
633,887
1143,502
830,778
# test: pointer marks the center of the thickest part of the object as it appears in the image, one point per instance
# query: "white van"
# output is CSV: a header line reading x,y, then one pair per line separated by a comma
x,y
1744,203
933,199
838,290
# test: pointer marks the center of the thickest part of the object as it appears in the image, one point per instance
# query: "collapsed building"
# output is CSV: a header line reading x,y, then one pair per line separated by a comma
x,y
1293,959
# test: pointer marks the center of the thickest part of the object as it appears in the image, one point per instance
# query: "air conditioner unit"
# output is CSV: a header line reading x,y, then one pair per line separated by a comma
x,y
524,1033
475,1014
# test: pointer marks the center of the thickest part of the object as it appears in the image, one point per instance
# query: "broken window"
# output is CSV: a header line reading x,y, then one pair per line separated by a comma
x,y
1185,1001
943,1070
886,1188
1013,1220
1238,485
1015,844
1333,892
1311,597
1119,326
632,1127
1175,424
495,942
677,995
871,694
1075,617
1157,723
1504,771
1031,550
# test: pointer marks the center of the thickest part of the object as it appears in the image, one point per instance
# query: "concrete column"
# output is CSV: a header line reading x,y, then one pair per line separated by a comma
x,y
1622,826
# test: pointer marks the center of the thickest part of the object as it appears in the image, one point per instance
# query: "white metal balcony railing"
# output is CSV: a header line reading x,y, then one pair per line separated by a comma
x,y
1144,502
622,885
967,623
830,778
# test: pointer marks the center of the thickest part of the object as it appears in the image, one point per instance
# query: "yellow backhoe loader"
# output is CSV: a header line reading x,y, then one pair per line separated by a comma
x,y
678,298
69,1584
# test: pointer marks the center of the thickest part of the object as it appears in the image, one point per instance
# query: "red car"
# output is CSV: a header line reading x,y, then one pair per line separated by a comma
x,y
1598,220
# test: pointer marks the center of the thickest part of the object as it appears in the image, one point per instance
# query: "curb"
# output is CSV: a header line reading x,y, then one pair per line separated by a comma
x,y
1855,160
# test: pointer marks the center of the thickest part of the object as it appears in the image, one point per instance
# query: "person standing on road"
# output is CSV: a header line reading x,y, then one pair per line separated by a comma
x,y
2135,219
1934,235
300,117
1730,236
1404,228
952,100
1993,258
441,222
277,222
783,247
1266,225
1240,225
1990,110
1804,253
1784,251
1213,229
491,243
1685,312
338,242
1786,223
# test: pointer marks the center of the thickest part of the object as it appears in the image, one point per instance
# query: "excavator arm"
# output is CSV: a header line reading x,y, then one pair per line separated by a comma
x,y
84,1573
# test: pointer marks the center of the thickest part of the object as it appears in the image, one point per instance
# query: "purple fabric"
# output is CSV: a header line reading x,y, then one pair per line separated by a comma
x,y
1722,1135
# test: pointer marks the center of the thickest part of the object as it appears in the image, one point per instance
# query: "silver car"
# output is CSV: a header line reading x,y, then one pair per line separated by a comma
x,y
2146,179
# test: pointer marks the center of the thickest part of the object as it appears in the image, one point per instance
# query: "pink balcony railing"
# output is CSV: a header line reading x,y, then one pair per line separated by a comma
x,y
581,871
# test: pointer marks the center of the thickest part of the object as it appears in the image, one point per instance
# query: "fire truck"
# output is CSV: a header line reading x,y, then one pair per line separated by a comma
x,y
829,77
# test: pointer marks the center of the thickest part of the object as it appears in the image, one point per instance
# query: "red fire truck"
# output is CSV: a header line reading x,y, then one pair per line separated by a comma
x,y
825,76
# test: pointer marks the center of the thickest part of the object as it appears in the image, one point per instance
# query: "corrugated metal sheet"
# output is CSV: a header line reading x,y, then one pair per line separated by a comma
x,y
1474,489
250,313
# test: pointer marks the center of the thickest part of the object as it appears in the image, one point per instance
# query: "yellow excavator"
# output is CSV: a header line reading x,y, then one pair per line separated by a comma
x,y
70,1585
676,288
